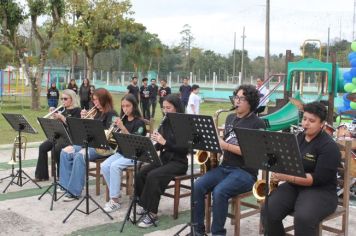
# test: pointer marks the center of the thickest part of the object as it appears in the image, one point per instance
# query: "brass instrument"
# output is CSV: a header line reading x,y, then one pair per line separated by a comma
x,y
59,109
109,137
91,113
201,157
16,145
259,188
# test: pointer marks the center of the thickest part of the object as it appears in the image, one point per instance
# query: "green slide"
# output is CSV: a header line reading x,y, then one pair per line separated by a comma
x,y
283,118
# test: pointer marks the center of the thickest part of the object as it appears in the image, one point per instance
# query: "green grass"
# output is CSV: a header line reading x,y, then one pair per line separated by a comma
x,y
22,105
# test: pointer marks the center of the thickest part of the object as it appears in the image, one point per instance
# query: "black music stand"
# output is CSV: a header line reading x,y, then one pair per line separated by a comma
x,y
19,123
137,148
194,132
87,133
57,133
277,152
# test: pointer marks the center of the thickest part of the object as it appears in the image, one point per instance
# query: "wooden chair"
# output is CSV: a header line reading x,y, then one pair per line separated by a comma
x,y
95,172
343,207
177,185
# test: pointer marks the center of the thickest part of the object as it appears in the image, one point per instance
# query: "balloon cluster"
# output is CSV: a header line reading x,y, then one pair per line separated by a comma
x,y
350,80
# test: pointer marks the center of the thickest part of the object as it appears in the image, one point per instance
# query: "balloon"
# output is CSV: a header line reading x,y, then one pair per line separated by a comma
x,y
354,80
349,87
347,76
353,72
354,91
353,46
337,120
352,55
353,105
353,62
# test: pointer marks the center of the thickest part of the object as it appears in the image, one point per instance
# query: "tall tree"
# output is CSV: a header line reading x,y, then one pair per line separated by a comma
x,y
186,43
98,26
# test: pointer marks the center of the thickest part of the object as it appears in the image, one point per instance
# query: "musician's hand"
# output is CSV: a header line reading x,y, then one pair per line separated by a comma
x,y
58,116
83,113
118,123
280,177
157,137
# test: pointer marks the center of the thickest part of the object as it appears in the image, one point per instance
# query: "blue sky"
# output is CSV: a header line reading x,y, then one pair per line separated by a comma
x,y
213,22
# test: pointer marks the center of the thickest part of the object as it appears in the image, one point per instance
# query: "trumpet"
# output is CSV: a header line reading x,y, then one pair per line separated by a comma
x,y
91,113
59,109
16,145
258,189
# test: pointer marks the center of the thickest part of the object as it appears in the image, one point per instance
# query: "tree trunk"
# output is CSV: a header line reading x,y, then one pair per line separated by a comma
x,y
90,68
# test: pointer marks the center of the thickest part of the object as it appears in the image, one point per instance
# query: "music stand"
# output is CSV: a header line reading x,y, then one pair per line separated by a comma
x,y
194,132
19,123
277,152
57,133
87,133
137,148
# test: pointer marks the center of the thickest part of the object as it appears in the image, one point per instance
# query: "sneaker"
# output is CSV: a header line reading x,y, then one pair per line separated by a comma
x,y
147,221
60,190
69,198
112,206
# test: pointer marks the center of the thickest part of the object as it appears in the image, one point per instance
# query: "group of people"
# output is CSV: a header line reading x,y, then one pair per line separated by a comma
x,y
311,198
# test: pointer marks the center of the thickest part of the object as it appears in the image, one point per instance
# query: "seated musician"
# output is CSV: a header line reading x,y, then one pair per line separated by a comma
x,y
70,109
312,198
131,122
231,177
72,163
152,180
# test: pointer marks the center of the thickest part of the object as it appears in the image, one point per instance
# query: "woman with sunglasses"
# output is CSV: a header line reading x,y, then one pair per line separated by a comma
x,y
70,109
72,164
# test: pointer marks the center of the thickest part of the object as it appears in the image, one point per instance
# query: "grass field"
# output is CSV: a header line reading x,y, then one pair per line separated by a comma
x,y
21,105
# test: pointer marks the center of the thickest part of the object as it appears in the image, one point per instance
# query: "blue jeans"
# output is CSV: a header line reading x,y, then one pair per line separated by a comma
x,y
112,169
72,169
224,182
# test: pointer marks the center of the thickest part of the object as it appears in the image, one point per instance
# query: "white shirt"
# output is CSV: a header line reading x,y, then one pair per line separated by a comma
x,y
264,91
194,99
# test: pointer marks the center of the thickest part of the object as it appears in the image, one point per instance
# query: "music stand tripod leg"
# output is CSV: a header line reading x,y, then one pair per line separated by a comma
x,y
87,196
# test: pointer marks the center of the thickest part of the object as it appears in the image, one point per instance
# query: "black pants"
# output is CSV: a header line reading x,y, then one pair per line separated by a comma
x,y
153,104
84,105
309,204
145,105
152,180
42,162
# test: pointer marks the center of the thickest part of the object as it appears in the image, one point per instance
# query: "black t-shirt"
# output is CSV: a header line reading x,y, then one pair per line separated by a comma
x,y
162,92
153,91
321,157
134,90
136,126
52,93
232,121
144,93
75,112
106,118
185,92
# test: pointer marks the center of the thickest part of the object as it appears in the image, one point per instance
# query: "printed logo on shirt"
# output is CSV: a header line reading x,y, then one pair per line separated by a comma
x,y
140,130
309,157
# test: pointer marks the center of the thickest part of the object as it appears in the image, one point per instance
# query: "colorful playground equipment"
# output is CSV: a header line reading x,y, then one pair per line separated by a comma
x,y
12,82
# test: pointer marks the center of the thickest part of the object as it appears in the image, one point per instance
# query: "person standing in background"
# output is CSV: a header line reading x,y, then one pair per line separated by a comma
x,y
53,96
163,91
145,99
73,86
133,88
91,92
263,93
84,94
184,91
193,106
153,88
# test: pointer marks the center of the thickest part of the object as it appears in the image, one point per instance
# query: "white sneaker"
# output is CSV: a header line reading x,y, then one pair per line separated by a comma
x,y
140,211
148,221
112,206
60,190
69,198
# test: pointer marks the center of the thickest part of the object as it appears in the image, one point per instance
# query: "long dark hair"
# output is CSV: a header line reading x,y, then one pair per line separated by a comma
x,y
251,94
175,101
105,99
135,110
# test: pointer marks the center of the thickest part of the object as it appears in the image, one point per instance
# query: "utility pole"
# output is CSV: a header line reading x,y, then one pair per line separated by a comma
x,y
73,53
267,65
327,46
242,54
234,58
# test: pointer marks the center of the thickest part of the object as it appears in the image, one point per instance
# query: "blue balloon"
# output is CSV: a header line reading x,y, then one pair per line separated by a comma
x,y
352,55
353,62
353,72
344,97
347,76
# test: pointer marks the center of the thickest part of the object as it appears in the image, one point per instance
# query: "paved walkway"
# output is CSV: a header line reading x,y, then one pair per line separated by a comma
x,y
21,213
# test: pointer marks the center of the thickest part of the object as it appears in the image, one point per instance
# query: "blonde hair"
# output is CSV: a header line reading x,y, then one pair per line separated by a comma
x,y
73,96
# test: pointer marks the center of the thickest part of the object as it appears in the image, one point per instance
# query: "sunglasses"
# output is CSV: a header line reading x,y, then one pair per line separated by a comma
x,y
64,99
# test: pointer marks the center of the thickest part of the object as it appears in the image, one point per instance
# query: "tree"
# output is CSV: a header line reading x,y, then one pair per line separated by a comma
x,y
12,15
98,26
186,42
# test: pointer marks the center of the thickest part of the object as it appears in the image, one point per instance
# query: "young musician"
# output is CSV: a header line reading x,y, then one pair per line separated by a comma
x,y
130,123
152,180
70,109
312,198
231,177
72,164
